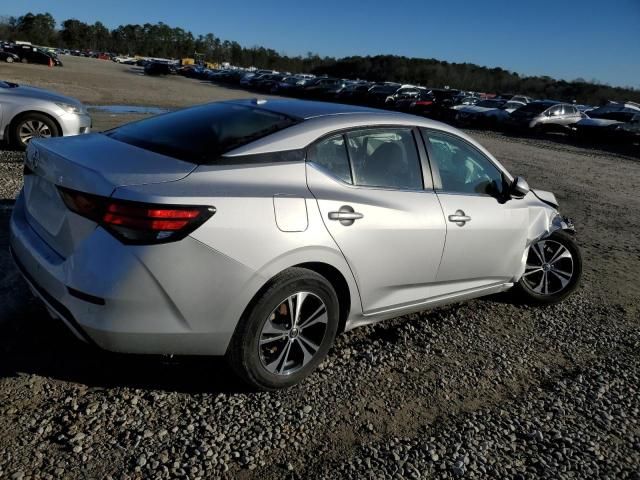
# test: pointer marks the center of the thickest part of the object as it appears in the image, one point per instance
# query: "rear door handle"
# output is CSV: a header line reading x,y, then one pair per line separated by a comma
x,y
459,218
346,215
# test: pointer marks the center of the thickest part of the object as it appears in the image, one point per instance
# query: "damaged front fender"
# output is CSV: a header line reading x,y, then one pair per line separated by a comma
x,y
544,223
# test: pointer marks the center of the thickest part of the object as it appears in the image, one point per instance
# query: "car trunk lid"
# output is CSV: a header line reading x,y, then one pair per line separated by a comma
x,y
93,164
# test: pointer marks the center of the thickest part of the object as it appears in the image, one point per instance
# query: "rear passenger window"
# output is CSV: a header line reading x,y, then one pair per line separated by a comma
x,y
331,155
385,158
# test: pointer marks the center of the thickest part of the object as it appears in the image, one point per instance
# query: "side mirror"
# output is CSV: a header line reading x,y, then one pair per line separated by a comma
x,y
519,188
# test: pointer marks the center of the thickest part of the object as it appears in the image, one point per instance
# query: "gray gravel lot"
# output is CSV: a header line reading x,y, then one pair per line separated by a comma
x,y
477,390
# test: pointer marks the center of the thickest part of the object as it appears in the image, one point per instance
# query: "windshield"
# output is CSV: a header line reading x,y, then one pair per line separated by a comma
x,y
201,134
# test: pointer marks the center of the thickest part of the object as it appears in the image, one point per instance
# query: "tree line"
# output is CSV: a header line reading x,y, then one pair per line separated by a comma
x,y
161,40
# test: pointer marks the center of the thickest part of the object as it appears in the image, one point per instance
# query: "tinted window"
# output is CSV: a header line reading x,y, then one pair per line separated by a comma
x,y
201,134
331,154
463,169
385,158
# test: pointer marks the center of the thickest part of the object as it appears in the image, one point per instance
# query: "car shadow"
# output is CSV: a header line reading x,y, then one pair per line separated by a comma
x,y
33,343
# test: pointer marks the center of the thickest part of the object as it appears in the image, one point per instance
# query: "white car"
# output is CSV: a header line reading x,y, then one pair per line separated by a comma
x,y
126,59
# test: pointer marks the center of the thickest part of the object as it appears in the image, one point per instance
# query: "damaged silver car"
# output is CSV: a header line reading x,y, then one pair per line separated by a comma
x,y
261,229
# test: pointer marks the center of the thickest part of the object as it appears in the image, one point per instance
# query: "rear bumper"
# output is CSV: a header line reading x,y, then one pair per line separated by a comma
x,y
131,299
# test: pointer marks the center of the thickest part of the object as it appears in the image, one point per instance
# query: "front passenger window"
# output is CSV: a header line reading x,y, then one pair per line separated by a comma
x,y
462,168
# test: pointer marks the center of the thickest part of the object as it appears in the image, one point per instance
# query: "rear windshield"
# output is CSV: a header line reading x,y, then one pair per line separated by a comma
x,y
201,134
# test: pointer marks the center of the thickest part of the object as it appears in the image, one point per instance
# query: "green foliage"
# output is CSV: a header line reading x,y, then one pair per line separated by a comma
x,y
161,40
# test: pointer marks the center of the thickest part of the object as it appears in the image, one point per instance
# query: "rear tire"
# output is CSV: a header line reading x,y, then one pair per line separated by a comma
x,y
553,271
32,125
273,349
24,60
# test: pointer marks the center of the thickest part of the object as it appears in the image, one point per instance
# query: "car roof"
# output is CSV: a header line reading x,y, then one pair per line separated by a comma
x,y
321,118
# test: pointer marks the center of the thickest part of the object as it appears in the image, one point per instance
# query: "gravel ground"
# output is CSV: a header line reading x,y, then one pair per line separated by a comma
x,y
483,389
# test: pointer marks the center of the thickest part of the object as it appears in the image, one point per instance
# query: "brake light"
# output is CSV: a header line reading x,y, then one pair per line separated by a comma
x,y
136,222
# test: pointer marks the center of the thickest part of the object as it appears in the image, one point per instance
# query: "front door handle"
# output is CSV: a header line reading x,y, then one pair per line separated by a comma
x,y
346,215
459,218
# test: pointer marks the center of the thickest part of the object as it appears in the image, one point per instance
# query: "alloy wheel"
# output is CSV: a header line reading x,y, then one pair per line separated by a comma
x,y
33,129
293,333
549,267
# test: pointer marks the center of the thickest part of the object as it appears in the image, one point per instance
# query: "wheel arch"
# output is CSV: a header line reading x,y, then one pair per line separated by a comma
x,y
24,113
347,297
339,284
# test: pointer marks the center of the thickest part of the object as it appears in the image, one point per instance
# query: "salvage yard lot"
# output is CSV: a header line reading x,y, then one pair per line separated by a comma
x,y
487,388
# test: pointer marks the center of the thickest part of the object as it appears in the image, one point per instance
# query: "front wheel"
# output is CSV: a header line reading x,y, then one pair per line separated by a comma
x,y
553,269
9,59
286,332
33,125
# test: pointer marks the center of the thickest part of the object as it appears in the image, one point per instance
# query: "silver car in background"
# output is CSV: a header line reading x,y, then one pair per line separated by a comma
x,y
261,229
29,112
545,116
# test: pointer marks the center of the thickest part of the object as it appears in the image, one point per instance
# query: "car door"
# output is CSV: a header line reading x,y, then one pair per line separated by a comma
x,y
486,234
381,211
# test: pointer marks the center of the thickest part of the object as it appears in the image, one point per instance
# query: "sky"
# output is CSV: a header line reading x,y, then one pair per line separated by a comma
x,y
565,39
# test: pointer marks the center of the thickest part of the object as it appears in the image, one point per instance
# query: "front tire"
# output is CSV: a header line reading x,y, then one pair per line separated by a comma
x,y
9,59
286,332
33,125
553,270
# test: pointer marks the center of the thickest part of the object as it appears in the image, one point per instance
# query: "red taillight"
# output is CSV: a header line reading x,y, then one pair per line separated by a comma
x,y
137,222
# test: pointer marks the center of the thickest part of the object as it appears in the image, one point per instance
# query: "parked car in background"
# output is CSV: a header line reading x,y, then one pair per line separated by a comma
x,y
234,229
31,54
378,93
423,104
443,100
467,115
159,68
405,92
467,100
353,93
8,57
125,59
605,123
322,87
498,117
521,99
29,112
285,85
545,116
629,132
267,82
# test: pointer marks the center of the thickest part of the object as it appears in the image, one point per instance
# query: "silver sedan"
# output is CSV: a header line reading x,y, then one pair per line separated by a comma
x,y
261,229
29,112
